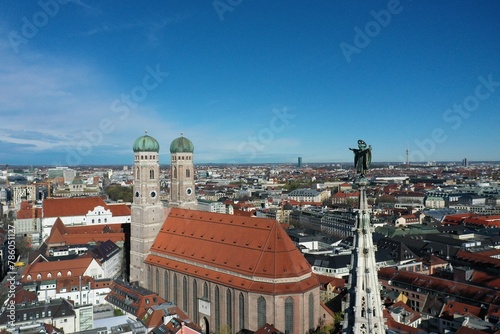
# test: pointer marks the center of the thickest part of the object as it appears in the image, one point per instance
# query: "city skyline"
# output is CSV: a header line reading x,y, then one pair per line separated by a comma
x,y
249,82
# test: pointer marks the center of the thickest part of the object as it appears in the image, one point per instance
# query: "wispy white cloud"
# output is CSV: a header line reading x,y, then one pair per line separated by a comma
x,y
152,29
54,105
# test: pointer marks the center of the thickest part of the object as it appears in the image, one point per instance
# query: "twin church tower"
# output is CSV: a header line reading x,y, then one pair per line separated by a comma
x,y
148,213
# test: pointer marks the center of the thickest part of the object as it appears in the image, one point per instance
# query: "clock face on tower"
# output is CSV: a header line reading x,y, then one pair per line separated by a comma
x,y
189,191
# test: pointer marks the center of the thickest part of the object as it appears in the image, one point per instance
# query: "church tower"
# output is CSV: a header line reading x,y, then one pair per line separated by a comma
x,y
182,191
147,210
363,311
363,308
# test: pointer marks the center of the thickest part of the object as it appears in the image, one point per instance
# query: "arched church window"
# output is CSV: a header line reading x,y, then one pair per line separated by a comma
x,y
138,174
184,294
150,278
289,315
157,281
217,309
188,173
174,172
151,174
175,289
242,310
205,291
195,301
311,311
165,283
229,309
261,312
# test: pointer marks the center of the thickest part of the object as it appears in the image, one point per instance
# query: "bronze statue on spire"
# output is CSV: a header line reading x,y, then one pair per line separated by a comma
x,y
362,157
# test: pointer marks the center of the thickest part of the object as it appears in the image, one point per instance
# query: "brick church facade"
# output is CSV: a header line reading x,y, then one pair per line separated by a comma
x,y
231,272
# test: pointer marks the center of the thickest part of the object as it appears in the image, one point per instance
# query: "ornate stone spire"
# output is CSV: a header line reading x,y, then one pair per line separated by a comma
x,y
363,308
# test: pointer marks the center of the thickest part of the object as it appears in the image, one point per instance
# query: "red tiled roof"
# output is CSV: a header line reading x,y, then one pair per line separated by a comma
x,y
137,301
341,194
268,328
414,314
118,210
24,296
333,281
486,221
484,279
79,235
79,206
26,211
399,327
454,307
250,247
66,268
467,330
465,291
456,219
154,315
477,258
490,252
69,282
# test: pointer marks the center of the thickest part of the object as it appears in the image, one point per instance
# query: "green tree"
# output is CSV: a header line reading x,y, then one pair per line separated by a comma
x,y
116,192
23,247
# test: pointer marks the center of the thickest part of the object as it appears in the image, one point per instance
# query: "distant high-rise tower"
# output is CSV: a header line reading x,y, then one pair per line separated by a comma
x,y
147,210
182,190
363,308
465,163
408,157
299,162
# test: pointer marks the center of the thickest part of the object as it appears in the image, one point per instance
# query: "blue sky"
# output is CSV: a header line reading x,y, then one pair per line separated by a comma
x,y
249,81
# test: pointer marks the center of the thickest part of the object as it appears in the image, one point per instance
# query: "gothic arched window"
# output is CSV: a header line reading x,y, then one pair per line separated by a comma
x,y
175,289
195,301
165,284
311,311
289,315
242,310
205,291
229,309
261,312
157,281
152,174
184,293
188,172
217,309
